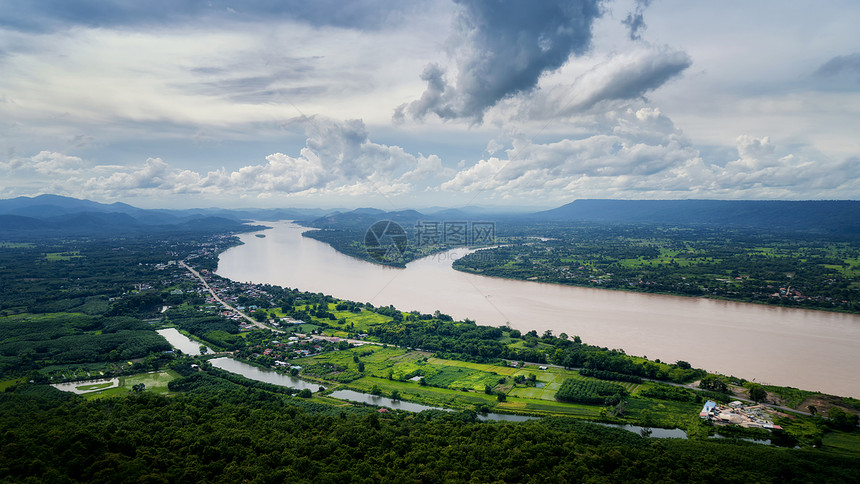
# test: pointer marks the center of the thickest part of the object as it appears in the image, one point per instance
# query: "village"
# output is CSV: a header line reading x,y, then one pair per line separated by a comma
x,y
740,414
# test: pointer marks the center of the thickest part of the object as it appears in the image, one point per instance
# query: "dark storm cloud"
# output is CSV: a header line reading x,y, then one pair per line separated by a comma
x,y
503,47
840,65
50,15
635,20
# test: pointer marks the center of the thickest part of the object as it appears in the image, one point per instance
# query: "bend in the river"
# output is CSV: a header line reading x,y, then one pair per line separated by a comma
x,y
812,350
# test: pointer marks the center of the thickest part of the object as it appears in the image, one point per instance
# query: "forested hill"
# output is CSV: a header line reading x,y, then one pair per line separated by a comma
x,y
837,216
57,216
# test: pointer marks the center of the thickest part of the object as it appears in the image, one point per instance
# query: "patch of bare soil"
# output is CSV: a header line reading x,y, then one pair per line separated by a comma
x,y
823,403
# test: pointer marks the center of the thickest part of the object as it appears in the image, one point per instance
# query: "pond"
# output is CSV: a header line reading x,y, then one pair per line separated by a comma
x,y
657,433
181,342
87,386
262,374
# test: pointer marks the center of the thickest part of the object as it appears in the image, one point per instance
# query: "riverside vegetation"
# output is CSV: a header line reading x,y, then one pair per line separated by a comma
x,y
93,314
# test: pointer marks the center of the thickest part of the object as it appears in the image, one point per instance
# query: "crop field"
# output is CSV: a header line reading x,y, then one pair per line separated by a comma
x,y
459,384
548,408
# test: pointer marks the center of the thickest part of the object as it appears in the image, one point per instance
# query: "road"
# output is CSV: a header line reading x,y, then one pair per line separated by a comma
x,y
224,304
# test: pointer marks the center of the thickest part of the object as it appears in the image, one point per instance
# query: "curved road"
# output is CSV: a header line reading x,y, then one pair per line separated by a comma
x,y
225,305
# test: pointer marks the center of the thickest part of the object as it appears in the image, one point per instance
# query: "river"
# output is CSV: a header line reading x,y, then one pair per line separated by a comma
x,y
812,350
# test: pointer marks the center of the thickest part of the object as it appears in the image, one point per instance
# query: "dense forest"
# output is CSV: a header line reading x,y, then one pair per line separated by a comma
x,y
219,431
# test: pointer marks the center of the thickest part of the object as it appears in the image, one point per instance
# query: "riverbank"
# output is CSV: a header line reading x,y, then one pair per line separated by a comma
x,y
666,327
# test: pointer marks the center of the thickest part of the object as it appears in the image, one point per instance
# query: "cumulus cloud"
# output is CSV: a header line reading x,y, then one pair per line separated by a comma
x,y
645,156
502,48
46,163
338,158
625,76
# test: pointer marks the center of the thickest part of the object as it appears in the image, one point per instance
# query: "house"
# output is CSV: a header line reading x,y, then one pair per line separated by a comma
x,y
707,409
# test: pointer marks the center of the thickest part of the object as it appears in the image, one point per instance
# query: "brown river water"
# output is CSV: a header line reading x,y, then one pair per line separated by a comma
x,y
812,350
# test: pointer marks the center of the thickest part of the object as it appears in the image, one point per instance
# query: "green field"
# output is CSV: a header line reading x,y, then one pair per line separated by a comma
x,y
65,256
459,384
154,382
842,442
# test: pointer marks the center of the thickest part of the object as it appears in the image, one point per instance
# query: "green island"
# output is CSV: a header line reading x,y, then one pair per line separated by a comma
x,y
78,312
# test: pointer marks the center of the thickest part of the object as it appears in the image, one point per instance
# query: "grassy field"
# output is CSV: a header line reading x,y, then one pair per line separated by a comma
x,y
4,384
841,442
55,256
154,382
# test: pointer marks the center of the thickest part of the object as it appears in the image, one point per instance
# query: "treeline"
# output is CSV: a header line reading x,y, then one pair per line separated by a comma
x,y
235,434
485,343
678,394
609,375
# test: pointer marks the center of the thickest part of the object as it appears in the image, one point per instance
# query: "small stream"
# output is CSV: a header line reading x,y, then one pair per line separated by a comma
x,y
387,402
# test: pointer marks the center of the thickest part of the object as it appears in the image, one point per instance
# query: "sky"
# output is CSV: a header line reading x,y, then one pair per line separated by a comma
x,y
428,103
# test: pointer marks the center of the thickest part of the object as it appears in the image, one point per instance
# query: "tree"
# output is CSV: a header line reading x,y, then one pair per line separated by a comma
x,y
501,397
306,393
203,349
375,390
395,395
812,409
841,419
138,388
361,366
714,384
758,393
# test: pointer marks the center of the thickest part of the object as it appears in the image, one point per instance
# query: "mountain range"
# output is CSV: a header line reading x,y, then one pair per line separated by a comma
x,y
58,215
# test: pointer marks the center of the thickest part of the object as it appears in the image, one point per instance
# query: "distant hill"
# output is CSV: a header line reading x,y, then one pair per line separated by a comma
x,y
363,218
837,216
57,216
